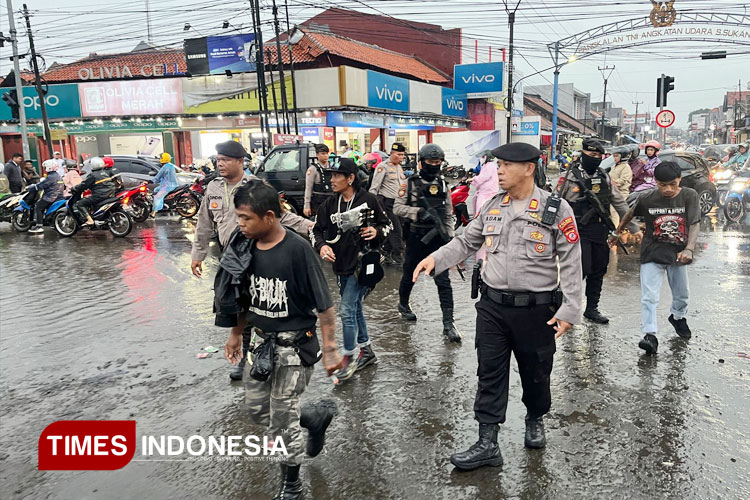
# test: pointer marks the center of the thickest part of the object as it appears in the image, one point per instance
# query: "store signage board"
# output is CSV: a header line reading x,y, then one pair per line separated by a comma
x,y
455,103
216,55
125,126
62,102
131,98
219,94
387,92
527,128
354,119
479,80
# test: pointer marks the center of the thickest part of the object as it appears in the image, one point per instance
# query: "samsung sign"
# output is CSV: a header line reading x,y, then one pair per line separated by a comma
x,y
479,80
454,102
387,92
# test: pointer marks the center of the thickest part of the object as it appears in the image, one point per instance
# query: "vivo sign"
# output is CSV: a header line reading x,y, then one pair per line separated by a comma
x,y
474,79
454,102
387,92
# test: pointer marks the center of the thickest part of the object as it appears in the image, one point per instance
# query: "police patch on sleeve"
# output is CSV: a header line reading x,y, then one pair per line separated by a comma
x,y
569,229
216,203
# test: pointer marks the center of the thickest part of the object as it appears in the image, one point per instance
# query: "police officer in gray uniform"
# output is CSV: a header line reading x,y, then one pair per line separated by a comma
x,y
388,184
426,203
531,295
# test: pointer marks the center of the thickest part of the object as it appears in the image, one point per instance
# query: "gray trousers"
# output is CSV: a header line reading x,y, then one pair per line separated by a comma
x,y
275,403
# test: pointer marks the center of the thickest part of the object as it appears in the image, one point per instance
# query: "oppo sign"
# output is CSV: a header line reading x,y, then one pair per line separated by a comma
x,y
479,80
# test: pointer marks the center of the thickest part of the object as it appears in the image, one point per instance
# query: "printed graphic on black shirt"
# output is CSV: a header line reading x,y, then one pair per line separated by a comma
x,y
670,228
270,296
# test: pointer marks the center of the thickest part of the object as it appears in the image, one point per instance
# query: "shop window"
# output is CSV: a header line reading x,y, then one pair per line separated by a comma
x,y
282,161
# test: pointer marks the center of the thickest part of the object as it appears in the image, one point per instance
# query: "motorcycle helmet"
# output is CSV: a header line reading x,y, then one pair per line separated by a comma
x,y
488,156
165,158
108,162
96,163
653,144
371,159
49,165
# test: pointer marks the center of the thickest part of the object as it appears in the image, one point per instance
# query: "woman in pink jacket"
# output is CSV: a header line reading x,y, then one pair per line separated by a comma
x,y
485,184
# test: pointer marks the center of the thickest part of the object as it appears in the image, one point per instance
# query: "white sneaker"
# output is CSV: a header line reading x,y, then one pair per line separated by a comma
x,y
36,230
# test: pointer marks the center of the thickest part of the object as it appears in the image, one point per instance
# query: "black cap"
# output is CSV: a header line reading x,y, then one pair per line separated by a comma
x,y
519,152
594,145
232,149
398,148
322,148
346,166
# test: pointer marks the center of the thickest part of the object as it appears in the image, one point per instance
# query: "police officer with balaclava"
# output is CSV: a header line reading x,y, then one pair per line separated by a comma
x,y
583,182
427,205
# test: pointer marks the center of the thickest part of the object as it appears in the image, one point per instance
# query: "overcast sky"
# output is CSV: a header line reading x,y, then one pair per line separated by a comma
x,y
66,30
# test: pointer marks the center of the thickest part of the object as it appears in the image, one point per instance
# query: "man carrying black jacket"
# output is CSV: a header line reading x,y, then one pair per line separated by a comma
x,y
338,237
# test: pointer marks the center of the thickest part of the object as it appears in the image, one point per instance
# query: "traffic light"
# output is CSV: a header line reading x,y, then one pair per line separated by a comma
x,y
11,99
663,86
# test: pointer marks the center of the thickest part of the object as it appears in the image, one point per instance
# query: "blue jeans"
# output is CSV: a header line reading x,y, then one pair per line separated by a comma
x,y
652,276
350,311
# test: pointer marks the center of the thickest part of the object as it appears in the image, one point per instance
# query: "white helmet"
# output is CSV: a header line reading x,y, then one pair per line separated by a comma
x,y
96,163
50,165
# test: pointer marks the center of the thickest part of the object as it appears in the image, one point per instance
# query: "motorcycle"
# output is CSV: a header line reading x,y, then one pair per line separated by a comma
x,y
139,201
737,202
23,215
723,180
453,172
109,214
190,200
8,202
459,195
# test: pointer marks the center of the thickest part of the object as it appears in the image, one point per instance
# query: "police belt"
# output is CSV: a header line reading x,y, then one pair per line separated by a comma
x,y
519,299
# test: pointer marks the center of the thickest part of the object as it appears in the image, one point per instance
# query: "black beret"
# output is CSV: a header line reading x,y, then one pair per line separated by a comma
x,y
593,145
517,152
232,149
398,148
322,148
346,166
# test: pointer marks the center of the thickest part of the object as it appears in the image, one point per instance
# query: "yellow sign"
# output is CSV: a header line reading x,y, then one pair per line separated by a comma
x,y
244,101
58,134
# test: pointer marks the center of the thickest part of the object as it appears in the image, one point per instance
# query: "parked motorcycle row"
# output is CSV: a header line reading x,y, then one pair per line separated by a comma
x,y
117,215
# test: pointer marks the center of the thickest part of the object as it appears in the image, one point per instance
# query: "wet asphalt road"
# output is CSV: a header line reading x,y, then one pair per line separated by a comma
x,y
97,328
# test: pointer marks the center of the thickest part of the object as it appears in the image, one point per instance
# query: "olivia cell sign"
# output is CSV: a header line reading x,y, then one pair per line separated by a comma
x,y
479,80
387,92
131,98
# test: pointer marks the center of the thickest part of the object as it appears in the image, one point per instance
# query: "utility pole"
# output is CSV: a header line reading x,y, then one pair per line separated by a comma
x,y
635,123
291,68
273,94
19,83
148,23
38,83
280,63
604,103
509,107
260,67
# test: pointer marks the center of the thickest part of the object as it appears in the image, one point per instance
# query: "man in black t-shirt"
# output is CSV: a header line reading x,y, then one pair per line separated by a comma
x,y
672,216
283,287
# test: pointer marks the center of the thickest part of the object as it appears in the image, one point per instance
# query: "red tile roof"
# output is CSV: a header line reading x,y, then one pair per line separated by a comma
x,y
133,60
314,45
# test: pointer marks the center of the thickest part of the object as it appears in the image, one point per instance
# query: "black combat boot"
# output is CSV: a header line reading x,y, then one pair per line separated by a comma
x,y
235,373
681,327
535,437
366,357
291,484
449,329
592,313
406,312
483,452
316,417
649,343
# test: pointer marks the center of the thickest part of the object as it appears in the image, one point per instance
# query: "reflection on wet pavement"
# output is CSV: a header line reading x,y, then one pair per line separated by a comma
x,y
97,328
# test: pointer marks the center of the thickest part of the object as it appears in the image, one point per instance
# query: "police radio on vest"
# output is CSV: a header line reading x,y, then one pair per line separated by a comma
x,y
478,79
389,95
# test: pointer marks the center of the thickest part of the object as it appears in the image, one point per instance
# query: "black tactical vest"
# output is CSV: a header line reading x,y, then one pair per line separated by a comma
x,y
599,184
433,192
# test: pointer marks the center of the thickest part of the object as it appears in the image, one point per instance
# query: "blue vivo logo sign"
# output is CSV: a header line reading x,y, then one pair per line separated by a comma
x,y
454,102
387,92
483,78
